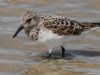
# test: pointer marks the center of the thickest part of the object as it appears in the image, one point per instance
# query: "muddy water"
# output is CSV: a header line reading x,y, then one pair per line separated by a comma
x,y
20,57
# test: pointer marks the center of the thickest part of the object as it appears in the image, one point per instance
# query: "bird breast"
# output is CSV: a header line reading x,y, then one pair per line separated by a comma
x,y
45,35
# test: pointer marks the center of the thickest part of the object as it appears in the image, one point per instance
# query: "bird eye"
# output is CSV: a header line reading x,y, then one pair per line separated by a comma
x,y
28,20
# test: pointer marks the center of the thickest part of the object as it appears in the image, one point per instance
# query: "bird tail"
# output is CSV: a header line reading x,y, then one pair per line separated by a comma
x,y
97,24
90,27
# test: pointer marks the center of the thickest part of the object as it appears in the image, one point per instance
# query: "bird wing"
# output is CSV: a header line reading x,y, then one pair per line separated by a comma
x,y
62,26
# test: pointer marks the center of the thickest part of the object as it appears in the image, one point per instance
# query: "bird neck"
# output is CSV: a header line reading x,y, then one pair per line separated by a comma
x,y
28,30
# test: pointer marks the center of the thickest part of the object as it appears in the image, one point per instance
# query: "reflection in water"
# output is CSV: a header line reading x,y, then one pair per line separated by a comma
x,y
82,54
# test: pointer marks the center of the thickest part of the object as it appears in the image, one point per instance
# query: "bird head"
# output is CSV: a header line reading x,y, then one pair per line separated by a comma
x,y
29,19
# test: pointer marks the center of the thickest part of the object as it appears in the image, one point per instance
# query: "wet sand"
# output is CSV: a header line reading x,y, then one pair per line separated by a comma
x,y
20,56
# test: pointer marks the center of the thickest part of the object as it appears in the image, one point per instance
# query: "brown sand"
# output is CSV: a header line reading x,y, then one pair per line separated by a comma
x,y
11,67
53,67
33,1
10,11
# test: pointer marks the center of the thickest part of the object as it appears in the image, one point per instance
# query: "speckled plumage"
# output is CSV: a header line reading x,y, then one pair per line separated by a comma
x,y
58,25
52,29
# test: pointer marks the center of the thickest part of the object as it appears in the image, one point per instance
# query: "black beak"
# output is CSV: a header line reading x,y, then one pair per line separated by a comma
x,y
19,29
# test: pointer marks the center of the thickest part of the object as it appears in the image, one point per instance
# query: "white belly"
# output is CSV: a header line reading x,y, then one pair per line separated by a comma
x,y
45,35
53,40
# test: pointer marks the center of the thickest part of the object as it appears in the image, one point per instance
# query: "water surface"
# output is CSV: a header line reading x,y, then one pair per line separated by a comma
x,y
22,57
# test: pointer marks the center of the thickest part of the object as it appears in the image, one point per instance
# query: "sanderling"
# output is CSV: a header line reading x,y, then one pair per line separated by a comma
x,y
52,30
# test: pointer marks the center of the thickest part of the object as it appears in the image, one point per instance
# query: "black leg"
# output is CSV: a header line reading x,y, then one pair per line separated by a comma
x,y
63,51
49,55
50,51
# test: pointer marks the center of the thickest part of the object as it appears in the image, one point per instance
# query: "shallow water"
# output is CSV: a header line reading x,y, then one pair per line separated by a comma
x,y
22,57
